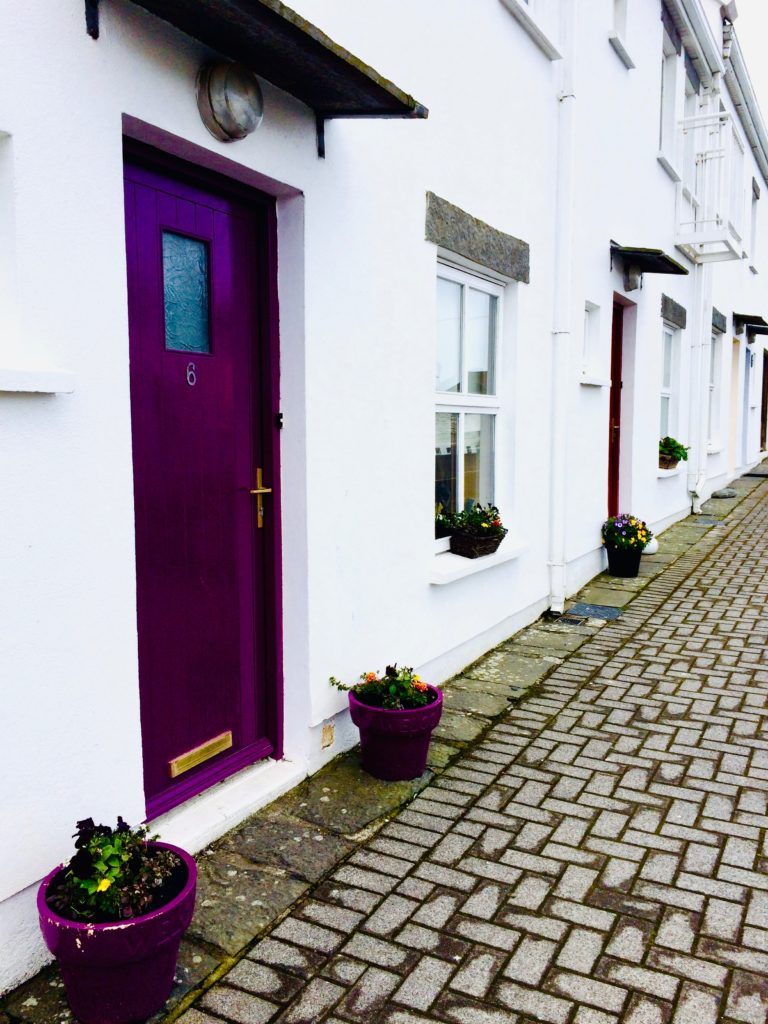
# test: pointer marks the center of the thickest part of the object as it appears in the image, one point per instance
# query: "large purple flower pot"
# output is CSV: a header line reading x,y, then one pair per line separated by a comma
x,y
120,972
394,744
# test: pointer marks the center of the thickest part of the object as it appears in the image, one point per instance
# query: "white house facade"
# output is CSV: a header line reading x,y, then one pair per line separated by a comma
x,y
237,376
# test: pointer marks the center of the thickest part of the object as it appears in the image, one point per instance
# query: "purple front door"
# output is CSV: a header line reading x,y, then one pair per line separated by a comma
x,y
203,418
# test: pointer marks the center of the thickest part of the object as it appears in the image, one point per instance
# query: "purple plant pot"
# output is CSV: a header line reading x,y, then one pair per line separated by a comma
x,y
394,744
120,972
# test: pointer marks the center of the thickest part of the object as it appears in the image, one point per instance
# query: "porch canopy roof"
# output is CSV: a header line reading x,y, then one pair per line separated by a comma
x,y
647,261
754,323
288,51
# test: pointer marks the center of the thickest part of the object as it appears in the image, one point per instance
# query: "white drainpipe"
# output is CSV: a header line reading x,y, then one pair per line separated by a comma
x,y
562,312
701,334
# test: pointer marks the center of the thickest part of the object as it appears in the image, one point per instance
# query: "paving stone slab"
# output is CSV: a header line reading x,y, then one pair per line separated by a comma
x,y
345,799
237,899
305,851
458,727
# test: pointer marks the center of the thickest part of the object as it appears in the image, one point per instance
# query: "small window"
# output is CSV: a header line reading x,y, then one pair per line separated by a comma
x,y
668,404
185,293
468,324
590,346
671,98
619,33
713,392
753,227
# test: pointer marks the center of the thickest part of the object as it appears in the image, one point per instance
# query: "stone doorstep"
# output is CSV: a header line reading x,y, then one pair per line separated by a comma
x,y
253,876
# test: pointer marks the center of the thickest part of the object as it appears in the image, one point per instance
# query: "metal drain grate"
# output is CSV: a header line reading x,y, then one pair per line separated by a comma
x,y
594,611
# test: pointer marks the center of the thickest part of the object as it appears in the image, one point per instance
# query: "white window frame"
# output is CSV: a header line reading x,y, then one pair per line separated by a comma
x,y
753,221
714,376
590,346
539,19
670,391
670,103
461,402
619,34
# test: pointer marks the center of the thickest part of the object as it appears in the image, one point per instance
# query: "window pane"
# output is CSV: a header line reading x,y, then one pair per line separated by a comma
x,y
448,377
185,293
481,334
665,401
478,459
666,373
446,442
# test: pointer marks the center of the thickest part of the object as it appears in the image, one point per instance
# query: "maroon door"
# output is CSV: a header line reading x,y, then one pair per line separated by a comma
x,y
614,427
202,417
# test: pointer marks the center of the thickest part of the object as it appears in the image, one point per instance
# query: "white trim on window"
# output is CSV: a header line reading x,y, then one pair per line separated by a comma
x,y
713,394
618,36
475,404
668,389
537,18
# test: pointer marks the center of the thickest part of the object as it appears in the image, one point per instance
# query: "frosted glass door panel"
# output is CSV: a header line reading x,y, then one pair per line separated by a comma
x,y
448,377
185,293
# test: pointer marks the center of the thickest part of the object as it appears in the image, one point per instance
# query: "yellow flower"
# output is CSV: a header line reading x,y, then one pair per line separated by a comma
x,y
103,884
486,525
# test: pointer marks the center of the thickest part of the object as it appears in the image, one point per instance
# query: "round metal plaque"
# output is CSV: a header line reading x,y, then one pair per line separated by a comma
x,y
229,100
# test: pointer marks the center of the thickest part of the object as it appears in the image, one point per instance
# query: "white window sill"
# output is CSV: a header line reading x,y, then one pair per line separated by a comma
x,y
661,473
621,51
520,11
588,381
447,567
39,381
714,449
669,167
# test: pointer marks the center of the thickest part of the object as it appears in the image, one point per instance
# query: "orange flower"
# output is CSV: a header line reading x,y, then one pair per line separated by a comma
x,y
370,677
421,687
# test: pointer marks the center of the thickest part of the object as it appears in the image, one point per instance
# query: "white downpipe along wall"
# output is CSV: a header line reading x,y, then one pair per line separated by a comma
x,y
562,330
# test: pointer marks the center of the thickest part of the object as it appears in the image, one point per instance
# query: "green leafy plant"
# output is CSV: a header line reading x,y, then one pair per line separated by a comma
x,y
398,689
443,521
625,531
479,521
672,449
114,875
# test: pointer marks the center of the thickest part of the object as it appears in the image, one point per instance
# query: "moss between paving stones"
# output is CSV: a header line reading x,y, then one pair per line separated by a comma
x,y
253,876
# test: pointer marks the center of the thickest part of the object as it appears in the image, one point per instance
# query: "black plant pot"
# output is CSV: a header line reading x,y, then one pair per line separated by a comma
x,y
624,561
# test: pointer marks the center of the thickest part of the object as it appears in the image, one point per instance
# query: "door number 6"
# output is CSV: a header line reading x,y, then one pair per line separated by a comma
x,y
191,375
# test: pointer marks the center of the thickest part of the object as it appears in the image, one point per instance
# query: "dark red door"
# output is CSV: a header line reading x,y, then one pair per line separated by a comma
x,y
201,405
614,427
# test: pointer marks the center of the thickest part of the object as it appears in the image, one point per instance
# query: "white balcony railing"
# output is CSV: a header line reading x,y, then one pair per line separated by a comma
x,y
710,196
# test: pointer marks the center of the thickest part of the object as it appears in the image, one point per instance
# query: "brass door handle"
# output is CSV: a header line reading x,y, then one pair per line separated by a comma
x,y
260,490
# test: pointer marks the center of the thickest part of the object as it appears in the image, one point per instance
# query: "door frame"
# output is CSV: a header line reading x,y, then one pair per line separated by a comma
x,y
270,422
764,405
614,406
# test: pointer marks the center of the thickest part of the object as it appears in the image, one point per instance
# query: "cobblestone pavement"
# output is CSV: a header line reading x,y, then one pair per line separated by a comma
x,y
598,856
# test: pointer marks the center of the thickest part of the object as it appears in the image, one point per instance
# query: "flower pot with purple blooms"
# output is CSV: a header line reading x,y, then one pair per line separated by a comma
x,y
624,537
396,714
119,971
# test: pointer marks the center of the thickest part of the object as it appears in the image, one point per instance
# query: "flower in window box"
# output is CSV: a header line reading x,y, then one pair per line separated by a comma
x,y
671,452
477,531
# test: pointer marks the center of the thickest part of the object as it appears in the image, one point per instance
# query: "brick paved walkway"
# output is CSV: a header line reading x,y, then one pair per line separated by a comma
x,y
599,856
